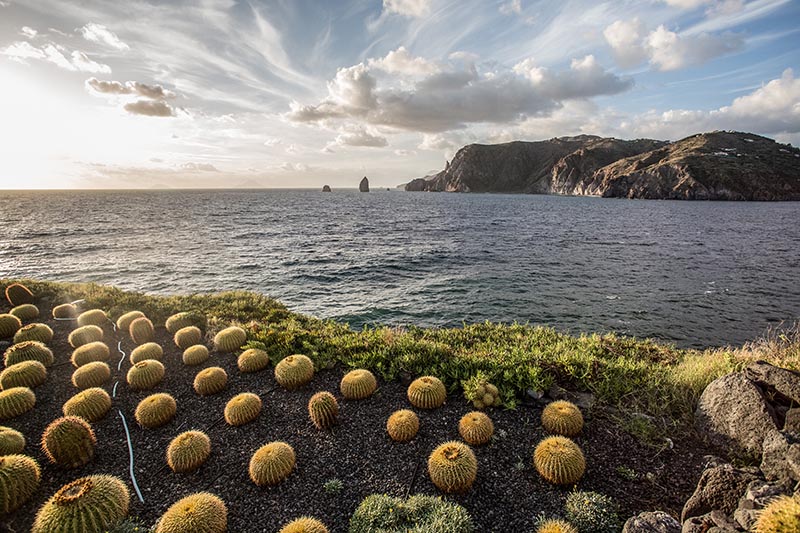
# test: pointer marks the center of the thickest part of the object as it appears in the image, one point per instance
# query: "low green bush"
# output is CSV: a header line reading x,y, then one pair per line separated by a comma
x,y
417,514
592,512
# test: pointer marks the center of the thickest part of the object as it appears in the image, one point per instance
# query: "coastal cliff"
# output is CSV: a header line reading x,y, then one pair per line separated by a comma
x,y
707,166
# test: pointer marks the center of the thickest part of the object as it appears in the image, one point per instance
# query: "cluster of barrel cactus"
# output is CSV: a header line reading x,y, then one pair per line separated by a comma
x,y
195,355
28,351
427,392
480,392
9,325
252,360
453,467
210,381
92,374
19,294
323,410
84,335
141,330
19,479
29,374
92,317
156,410
90,352
90,404
89,504
146,374
25,312
294,371
476,428
197,513
358,384
11,441
34,332
69,442
272,463
125,320
562,418
148,350
402,425
16,401
304,524
559,460
188,451
242,409
230,339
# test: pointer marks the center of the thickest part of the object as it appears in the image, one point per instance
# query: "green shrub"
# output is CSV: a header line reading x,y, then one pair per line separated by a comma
x,y
480,392
592,512
19,479
90,504
417,514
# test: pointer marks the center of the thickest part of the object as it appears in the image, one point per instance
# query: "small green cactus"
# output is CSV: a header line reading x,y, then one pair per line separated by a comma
x,y
11,441
304,524
480,392
148,350
452,467
92,317
323,410
782,515
69,442
272,463
592,512
195,355
156,410
402,425
141,330
294,371
188,336
92,504
65,311
419,513
124,321
562,418
252,360
34,332
84,335
94,374
427,392
556,526
183,319
18,294
197,513
29,374
89,353
242,408
15,402
9,325
476,428
188,451
19,479
91,404
230,339
559,460
28,351
210,381
358,384
25,312
145,375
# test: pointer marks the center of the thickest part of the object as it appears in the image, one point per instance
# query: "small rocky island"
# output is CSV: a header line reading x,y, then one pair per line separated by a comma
x,y
720,165
364,185
326,188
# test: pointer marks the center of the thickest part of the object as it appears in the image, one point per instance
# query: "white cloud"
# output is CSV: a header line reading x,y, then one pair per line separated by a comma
x,y
400,61
82,63
198,167
100,34
514,8
155,92
28,32
714,7
273,141
625,39
150,108
409,8
359,137
76,61
22,50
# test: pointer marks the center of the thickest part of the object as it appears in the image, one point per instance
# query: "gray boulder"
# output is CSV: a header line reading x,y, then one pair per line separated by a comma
x,y
792,423
757,496
698,524
655,522
719,489
781,456
783,381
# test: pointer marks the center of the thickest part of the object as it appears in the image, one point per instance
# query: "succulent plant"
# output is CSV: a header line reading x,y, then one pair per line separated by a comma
x,y
418,514
28,351
210,381
782,515
402,425
480,392
156,410
11,441
18,294
9,325
452,467
91,504
242,408
148,350
197,513
476,428
90,375
188,336
29,374
556,526
304,524
294,371
84,335
92,317
358,384
89,353
195,355
188,451
272,463
185,318
559,460
562,418
69,441
124,321
65,311
91,404
230,339
252,360
16,401
34,332
427,392
25,312
145,375
323,410
592,512
141,330
19,479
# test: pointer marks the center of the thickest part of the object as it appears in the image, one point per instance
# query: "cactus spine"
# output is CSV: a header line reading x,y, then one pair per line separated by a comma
x,y
252,360
9,325
89,353
556,526
19,479
183,319
272,463
188,336
358,384
559,461
323,410
148,350
145,375
294,371
34,332
230,339
91,375
782,515
197,513
402,425
427,392
29,374
18,294
28,351
476,428
156,410
65,311
562,418
124,322
452,467
242,408
92,317
16,401
195,355
91,404
69,442
11,441
91,504
210,381
304,524
141,330
84,335
188,451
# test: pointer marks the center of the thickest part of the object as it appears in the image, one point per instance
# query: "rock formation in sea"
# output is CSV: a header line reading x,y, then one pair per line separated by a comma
x,y
364,185
326,188
720,165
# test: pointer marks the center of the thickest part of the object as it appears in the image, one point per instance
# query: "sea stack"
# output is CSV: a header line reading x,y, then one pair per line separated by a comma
x,y
326,188
364,185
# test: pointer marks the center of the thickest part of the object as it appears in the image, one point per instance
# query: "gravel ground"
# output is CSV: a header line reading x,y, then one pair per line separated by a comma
x,y
507,496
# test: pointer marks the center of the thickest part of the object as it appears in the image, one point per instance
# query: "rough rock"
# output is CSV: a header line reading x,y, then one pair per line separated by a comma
x,y
781,456
584,400
792,423
757,496
655,522
697,524
719,489
363,186
326,188
732,413
783,381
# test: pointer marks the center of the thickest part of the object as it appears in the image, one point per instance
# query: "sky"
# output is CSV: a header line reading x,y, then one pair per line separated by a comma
x,y
301,93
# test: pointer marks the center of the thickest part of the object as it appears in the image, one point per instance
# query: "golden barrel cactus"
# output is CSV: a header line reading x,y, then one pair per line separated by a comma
x,y
19,294
9,325
124,321
402,425
559,460
141,330
92,374
146,374
69,442
34,332
358,384
197,513
556,526
230,339
188,336
148,350
210,381
19,479
188,451
28,351
65,311
92,504
562,418
427,392
252,360
476,428
271,464
11,441
89,353
183,319
323,410
242,408
156,410
29,374
294,371
195,355
25,312
453,467
16,401
304,524
84,335
91,404
92,317
782,515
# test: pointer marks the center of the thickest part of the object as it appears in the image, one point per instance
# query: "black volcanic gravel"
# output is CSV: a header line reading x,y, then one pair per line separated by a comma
x,y
507,496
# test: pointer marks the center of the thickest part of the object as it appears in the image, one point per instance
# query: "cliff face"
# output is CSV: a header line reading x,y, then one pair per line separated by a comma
x,y
709,166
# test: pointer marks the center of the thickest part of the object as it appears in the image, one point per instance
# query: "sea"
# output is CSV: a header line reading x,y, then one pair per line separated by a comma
x,y
694,274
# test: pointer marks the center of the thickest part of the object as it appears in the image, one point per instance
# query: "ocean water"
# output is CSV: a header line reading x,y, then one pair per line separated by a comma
x,y
692,273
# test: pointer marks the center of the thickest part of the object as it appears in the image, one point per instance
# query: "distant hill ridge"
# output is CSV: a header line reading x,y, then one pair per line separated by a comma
x,y
720,165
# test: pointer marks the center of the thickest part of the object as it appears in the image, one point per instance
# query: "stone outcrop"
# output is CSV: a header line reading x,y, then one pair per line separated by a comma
x,y
655,522
363,186
719,488
326,188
